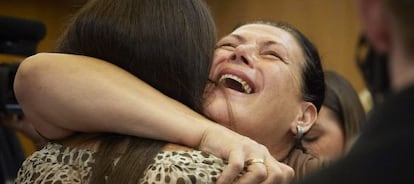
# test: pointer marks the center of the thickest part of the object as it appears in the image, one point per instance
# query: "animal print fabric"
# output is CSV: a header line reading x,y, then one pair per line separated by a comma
x,y
59,164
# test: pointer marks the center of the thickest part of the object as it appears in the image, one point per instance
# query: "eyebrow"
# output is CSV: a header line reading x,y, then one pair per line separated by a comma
x,y
269,43
238,37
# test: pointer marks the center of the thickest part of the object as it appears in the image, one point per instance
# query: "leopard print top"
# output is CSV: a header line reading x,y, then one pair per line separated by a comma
x,y
59,164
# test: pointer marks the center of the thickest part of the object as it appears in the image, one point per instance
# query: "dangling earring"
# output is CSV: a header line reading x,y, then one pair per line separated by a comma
x,y
300,132
298,142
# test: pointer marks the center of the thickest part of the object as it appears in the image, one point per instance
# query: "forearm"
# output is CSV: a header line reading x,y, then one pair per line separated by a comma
x,y
75,93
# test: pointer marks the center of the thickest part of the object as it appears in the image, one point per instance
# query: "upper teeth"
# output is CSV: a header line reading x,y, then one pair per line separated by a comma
x,y
244,84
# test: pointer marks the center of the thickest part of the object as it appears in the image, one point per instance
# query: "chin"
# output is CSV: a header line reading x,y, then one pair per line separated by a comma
x,y
217,111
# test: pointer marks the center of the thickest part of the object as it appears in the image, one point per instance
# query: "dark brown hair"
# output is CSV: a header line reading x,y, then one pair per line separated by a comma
x,y
167,43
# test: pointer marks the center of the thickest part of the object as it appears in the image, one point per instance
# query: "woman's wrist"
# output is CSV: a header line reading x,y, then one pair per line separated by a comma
x,y
215,137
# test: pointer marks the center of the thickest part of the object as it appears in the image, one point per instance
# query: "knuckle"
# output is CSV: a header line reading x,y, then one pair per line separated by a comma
x,y
261,176
290,174
260,173
257,177
236,167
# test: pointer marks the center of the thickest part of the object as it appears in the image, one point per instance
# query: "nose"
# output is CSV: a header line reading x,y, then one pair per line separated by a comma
x,y
243,54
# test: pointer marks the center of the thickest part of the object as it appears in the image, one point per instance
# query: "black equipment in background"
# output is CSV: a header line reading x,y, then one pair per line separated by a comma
x,y
374,68
8,102
19,37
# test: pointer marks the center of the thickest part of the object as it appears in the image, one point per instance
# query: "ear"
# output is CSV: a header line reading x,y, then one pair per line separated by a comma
x,y
375,24
306,118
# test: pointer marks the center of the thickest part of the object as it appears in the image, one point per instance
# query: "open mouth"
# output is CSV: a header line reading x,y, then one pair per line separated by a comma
x,y
235,83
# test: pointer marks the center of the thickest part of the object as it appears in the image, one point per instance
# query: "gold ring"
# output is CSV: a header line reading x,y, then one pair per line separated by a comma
x,y
254,161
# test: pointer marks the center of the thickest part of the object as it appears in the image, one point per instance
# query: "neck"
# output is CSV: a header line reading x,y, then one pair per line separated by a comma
x,y
280,150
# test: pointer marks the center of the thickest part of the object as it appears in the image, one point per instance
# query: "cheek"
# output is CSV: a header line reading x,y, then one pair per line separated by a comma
x,y
215,107
329,143
333,137
282,76
219,57
336,134
281,85
333,143
327,146
281,94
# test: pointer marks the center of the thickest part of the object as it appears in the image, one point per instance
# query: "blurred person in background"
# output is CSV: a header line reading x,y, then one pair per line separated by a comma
x,y
382,153
339,122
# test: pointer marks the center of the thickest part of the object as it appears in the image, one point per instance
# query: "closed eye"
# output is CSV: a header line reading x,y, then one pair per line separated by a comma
x,y
227,45
274,55
310,138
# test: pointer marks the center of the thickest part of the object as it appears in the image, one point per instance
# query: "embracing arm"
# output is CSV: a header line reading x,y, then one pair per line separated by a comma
x,y
65,93
61,94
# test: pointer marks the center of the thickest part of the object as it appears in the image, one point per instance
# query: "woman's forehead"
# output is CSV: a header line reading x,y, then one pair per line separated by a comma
x,y
263,31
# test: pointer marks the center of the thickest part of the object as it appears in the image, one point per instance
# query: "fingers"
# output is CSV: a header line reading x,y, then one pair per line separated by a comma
x,y
269,171
256,170
278,172
233,169
237,149
256,173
